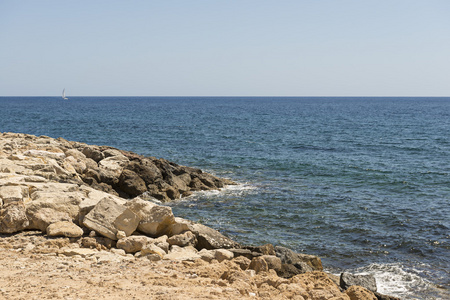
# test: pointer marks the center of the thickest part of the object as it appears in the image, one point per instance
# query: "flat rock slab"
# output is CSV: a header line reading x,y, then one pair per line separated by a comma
x,y
108,217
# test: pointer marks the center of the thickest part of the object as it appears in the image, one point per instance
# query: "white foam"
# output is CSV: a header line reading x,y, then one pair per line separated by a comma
x,y
229,190
396,280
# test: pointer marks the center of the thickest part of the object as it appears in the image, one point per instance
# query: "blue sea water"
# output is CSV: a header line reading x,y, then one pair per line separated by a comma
x,y
364,183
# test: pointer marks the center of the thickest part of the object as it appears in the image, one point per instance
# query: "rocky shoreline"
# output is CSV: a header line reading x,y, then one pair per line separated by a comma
x,y
92,210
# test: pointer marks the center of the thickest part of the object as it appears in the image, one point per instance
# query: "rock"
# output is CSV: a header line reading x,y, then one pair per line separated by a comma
x,y
359,293
385,297
131,183
209,238
242,262
91,201
288,271
152,249
133,243
114,164
41,218
11,194
120,234
112,152
97,242
288,256
207,255
245,253
185,253
223,254
154,219
259,265
64,228
108,217
93,153
42,153
146,170
317,285
367,281
184,239
75,154
83,252
60,199
13,218
273,262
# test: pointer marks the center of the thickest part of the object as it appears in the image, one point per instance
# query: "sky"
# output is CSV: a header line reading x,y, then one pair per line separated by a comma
x,y
225,48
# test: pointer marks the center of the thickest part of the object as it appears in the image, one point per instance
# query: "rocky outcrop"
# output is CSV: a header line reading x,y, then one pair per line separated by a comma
x,y
104,168
365,280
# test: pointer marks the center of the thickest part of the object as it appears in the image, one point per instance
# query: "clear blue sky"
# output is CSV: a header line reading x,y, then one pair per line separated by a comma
x,y
225,48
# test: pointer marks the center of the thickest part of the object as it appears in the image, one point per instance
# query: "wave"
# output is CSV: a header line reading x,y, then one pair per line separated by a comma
x,y
399,280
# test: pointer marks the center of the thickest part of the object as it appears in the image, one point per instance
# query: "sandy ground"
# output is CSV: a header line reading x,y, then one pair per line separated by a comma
x,y
32,268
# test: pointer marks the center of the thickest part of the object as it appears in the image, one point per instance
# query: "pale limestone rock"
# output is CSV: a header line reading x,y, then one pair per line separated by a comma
x,y
64,228
114,164
58,200
273,262
185,253
13,218
75,154
42,217
108,217
111,257
92,199
152,257
207,237
180,226
152,249
184,239
154,219
120,234
359,293
133,243
83,252
207,255
259,265
78,165
11,194
223,254
42,153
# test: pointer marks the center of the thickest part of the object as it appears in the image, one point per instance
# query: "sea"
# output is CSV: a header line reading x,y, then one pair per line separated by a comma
x,y
363,183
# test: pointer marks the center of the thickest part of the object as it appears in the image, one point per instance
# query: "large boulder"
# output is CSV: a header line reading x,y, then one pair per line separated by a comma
x,y
42,217
288,256
146,170
365,280
52,206
184,239
154,219
93,152
109,217
207,237
58,197
114,164
131,183
64,228
11,193
134,243
359,293
13,218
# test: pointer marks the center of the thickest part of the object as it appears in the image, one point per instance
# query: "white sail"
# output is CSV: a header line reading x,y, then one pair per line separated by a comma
x,y
64,94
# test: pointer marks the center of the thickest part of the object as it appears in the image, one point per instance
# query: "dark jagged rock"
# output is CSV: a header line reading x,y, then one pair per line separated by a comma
x,y
131,183
290,257
366,281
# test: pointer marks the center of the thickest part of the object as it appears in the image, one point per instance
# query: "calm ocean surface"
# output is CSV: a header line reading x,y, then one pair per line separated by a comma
x,y
364,183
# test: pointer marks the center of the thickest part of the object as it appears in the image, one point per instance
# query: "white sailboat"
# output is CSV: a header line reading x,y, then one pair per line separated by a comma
x,y
64,95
